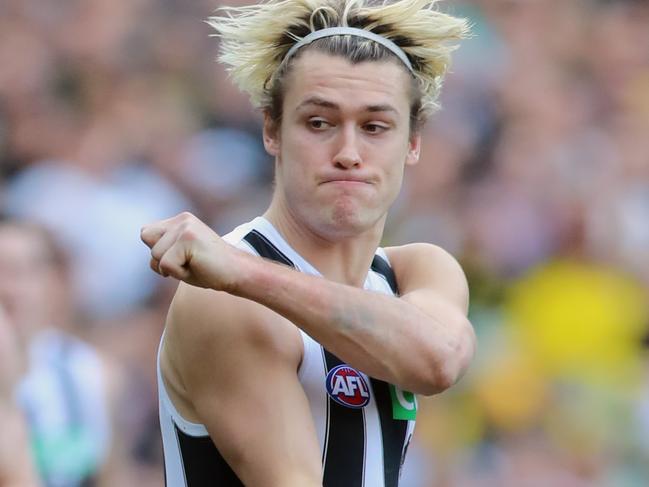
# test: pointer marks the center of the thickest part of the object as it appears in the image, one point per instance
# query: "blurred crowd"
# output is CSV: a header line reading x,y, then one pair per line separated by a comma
x,y
535,174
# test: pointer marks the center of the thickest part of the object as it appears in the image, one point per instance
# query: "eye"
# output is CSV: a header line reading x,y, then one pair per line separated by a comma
x,y
318,124
374,128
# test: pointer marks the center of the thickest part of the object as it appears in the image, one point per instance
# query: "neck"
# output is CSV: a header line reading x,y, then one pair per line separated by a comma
x,y
344,259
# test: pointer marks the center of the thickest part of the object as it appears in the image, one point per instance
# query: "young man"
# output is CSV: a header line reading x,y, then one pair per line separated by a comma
x,y
301,372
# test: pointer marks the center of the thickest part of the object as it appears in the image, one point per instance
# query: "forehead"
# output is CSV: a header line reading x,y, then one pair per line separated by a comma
x,y
350,86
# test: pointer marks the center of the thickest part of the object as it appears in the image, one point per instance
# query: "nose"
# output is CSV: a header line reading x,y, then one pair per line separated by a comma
x,y
347,154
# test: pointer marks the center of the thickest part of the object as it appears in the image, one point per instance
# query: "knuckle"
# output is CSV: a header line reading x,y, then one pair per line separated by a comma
x,y
187,232
186,216
190,234
166,267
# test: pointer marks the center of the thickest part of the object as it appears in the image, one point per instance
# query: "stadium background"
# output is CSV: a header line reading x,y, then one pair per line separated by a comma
x,y
535,175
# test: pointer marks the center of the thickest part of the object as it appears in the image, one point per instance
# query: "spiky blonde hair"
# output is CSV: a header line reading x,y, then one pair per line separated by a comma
x,y
256,38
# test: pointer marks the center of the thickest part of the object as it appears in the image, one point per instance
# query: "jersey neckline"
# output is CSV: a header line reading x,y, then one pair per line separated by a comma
x,y
269,230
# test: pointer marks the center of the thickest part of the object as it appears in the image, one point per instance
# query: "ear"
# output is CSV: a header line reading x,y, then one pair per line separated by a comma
x,y
414,148
271,135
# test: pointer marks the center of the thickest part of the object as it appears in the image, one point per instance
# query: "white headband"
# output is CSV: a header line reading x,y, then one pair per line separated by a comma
x,y
353,31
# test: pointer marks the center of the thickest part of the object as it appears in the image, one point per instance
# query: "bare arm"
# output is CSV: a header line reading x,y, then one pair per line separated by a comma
x,y
421,341
16,466
117,462
233,365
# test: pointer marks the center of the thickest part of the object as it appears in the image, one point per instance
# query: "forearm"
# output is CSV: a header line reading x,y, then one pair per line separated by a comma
x,y
384,336
421,342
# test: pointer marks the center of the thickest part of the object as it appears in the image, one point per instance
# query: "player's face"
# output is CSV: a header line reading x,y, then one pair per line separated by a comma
x,y
343,143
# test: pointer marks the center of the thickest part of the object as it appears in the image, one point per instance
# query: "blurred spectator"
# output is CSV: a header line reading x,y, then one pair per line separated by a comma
x,y
99,222
64,390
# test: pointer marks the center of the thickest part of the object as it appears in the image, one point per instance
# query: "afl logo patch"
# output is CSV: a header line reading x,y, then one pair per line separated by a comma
x,y
348,387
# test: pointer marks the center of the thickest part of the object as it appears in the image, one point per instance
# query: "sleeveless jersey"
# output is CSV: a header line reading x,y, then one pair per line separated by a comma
x,y
364,425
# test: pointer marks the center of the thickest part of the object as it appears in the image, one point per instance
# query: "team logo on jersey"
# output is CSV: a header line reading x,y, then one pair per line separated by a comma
x,y
348,387
404,404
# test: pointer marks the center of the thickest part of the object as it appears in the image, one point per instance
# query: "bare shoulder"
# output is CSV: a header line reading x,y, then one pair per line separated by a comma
x,y
231,365
205,320
209,332
427,266
424,258
420,252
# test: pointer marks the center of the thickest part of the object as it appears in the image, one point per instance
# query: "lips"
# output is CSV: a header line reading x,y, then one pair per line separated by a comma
x,y
347,179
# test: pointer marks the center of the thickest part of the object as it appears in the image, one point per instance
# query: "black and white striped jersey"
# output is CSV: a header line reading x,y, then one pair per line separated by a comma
x,y
364,425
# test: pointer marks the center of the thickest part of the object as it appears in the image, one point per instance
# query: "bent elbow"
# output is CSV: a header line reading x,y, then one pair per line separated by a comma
x,y
438,380
429,380
444,372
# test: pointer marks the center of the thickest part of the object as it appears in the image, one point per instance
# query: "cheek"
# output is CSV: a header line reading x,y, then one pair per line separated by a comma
x,y
299,158
394,163
293,174
395,180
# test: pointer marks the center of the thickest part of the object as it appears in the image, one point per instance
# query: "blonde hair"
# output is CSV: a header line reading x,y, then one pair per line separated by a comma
x,y
256,38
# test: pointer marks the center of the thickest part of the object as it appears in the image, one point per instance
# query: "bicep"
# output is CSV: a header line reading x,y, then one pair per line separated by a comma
x,y
242,382
433,281
260,421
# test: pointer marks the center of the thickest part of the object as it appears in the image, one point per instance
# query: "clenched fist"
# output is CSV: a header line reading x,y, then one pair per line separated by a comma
x,y
185,248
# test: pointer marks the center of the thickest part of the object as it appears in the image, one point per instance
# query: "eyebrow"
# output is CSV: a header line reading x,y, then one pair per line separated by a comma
x,y
321,102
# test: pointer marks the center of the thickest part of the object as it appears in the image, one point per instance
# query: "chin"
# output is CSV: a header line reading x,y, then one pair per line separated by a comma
x,y
346,222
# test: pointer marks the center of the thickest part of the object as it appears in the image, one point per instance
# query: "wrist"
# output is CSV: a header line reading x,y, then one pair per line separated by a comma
x,y
252,277
242,279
